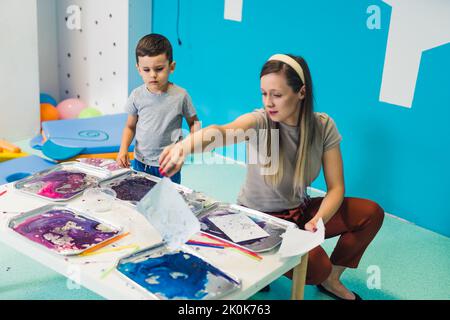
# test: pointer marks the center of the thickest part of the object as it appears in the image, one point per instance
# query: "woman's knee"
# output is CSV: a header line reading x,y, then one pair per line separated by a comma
x,y
376,213
318,269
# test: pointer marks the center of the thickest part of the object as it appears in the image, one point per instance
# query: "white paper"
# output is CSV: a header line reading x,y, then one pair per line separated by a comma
x,y
239,227
233,10
298,242
168,213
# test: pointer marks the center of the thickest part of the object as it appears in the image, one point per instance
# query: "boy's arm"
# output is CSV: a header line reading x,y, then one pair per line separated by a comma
x,y
127,136
194,124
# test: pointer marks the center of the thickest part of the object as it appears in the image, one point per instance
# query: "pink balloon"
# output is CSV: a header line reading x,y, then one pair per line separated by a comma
x,y
70,108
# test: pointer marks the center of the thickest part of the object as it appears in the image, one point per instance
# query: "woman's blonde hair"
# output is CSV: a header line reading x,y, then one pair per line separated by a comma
x,y
306,124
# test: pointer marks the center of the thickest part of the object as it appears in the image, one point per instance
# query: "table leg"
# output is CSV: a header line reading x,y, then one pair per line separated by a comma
x,y
298,279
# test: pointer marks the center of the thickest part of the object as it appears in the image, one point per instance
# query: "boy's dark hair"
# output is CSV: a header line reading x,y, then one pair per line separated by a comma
x,y
153,45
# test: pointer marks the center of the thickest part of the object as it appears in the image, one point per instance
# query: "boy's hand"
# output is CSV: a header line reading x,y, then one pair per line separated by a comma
x,y
171,160
123,160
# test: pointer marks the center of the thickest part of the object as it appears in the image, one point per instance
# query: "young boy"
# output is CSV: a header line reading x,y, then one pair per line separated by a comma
x,y
155,109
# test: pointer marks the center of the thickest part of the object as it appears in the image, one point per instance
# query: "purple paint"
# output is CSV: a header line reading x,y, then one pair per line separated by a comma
x,y
63,231
133,188
108,164
59,184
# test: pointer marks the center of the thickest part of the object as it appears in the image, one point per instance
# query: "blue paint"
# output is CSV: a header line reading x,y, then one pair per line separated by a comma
x,y
175,275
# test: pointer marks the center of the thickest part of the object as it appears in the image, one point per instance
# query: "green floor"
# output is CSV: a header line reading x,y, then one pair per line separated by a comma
x,y
413,263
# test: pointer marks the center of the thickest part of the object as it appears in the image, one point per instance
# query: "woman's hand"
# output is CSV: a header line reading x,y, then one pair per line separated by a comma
x,y
123,160
311,225
171,159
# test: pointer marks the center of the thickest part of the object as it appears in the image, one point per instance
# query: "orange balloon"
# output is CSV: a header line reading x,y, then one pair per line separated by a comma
x,y
48,112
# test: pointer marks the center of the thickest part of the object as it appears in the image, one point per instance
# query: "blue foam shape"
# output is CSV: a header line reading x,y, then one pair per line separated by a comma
x,y
46,98
57,152
37,142
96,135
9,170
17,176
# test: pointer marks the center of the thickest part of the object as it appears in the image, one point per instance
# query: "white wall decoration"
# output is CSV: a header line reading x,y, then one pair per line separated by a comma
x,y
93,52
19,80
233,10
416,26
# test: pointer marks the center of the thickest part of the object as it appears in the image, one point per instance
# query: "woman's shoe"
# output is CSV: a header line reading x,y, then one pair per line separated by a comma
x,y
331,294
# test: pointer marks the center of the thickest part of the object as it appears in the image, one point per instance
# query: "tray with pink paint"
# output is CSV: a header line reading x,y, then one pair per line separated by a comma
x,y
62,182
62,229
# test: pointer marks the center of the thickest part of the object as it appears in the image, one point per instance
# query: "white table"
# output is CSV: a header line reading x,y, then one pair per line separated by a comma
x,y
92,271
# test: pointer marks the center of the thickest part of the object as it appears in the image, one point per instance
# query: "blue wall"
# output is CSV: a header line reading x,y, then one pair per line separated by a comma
x,y
394,155
140,24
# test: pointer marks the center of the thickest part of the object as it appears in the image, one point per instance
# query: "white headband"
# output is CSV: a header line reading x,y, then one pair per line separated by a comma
x,y
291,62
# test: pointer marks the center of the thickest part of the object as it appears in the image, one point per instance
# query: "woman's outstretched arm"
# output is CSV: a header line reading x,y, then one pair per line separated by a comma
x,y
172,158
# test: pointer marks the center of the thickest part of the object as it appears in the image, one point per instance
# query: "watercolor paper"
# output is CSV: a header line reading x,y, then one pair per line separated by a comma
x,y
167,211
298,242
274,229
239,227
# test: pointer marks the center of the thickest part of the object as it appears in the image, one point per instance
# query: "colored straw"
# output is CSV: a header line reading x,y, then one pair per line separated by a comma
x,y
103,244
100,251
230,245
107,272
205,244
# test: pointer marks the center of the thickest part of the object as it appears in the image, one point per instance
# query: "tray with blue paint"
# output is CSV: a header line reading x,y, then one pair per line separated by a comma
x,y
61,182
179,274
271,228
132,186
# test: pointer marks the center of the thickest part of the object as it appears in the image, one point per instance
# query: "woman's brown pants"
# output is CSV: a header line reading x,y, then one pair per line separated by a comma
x,y
357,221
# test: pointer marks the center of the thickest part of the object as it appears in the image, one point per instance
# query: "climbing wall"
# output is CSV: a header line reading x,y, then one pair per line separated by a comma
x,y
93,52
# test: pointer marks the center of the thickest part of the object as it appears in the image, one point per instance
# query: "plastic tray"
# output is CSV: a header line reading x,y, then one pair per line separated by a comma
x,y
107,166
45,184
197,201
55,239
272,225
170,279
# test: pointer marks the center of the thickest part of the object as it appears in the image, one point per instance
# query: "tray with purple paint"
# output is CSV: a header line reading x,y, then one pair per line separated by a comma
x,y
62,229
273,227
61,182
179,274
132,186
108,166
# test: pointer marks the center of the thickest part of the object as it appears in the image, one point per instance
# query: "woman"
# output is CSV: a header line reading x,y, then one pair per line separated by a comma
x,y
307,141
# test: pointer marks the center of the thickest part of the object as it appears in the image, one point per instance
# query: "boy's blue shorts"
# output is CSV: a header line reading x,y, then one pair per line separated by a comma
x,y
139,166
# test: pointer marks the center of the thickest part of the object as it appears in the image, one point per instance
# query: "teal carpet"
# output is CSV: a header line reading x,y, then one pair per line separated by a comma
x,y
412,262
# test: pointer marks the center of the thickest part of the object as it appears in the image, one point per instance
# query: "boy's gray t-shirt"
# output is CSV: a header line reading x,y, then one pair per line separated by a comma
x,y
160,118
